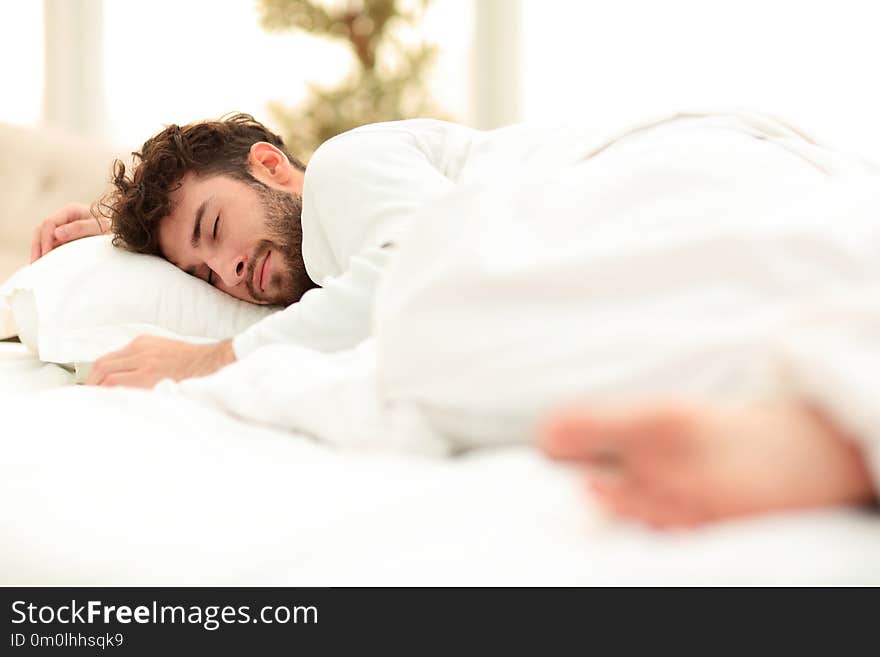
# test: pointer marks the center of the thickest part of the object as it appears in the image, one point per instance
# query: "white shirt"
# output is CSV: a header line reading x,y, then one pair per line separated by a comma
x,y
360,192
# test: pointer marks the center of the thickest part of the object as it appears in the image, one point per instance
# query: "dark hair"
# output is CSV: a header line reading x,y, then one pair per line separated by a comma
x,y
138,201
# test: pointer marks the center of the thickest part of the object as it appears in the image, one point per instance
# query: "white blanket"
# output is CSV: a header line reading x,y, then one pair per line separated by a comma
x,y
708,256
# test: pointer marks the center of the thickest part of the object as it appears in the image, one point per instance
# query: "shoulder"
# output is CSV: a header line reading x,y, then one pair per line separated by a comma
x,y
385,149
412,127
378,138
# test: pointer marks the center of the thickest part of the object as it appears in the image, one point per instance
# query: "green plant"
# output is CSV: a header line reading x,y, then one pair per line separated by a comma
x,y
387,83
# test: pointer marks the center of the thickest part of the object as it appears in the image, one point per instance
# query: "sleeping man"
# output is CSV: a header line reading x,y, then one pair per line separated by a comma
x,y
561,246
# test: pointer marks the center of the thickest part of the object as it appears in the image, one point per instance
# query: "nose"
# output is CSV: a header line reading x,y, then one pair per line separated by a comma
x,y
230,269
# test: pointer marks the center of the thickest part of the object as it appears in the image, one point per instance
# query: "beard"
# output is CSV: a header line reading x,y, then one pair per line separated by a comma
x,y
283,212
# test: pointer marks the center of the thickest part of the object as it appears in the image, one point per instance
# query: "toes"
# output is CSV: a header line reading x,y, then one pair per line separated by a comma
x,y
613,433
658,514
617,494
648,458
572,435
629,499
606,484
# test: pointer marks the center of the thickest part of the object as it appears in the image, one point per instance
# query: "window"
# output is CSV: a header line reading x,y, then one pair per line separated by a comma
x,y
602,63
21,62
168,61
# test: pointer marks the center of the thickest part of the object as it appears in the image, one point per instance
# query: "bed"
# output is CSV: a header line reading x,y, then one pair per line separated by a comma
x,y
130,487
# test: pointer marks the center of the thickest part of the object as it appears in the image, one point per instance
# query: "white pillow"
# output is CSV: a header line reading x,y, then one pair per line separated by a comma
x,y
87,298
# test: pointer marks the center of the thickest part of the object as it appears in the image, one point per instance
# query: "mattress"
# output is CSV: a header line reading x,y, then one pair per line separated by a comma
x,y
128,487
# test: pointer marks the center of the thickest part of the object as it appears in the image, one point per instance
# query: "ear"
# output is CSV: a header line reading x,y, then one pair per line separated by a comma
x,y
267,161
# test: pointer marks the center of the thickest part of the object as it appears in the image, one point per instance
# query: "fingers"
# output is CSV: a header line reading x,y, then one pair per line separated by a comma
x,y
47,238
71,222
36,252
133,365
77,229
132,379
109,368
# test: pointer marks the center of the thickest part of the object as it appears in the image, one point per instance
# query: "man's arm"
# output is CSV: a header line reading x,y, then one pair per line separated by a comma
x,y
332,318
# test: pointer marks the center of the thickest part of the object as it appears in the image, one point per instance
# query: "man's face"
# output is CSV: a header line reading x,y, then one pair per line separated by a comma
x,y
243,239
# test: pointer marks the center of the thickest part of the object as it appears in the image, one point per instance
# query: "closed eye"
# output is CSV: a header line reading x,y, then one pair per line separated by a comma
x,y
213,238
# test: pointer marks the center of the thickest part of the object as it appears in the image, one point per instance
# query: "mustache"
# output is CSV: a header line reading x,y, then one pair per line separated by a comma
x,y
262,248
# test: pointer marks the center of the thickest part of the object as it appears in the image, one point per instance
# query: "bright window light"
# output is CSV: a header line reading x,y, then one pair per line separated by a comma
x,y
168,61
21,62
602,63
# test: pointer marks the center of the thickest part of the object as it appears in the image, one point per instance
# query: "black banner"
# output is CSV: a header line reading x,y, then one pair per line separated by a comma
x,y
246,621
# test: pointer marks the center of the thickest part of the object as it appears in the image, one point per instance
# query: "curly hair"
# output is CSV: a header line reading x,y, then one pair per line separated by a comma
x,y
139,200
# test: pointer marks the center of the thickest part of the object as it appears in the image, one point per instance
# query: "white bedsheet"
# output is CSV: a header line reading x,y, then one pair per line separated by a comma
x,y
113,486
21,372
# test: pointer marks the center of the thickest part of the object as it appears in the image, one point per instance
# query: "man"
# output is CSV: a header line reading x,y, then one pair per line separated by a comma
x,y
225,202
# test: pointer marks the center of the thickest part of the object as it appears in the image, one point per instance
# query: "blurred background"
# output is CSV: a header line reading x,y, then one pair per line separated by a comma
x,y
118,70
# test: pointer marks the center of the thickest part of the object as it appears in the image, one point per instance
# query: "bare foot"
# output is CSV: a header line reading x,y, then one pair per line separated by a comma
x,y
679,465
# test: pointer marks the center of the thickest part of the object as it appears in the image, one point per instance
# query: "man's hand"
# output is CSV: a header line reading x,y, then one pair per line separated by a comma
x,y
149,359
71,222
